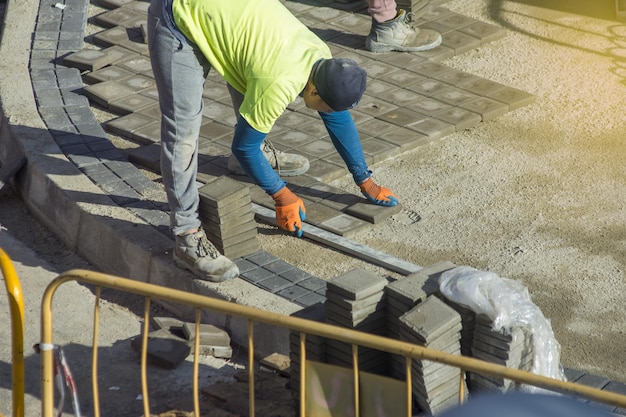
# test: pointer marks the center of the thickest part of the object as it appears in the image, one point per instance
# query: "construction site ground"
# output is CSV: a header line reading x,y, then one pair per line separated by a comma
x,y
534,193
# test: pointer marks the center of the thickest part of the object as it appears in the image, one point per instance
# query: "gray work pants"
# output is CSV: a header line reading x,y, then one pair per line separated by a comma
x,y
179,72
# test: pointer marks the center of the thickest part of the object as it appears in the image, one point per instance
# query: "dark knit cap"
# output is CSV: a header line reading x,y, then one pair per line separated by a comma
x,y
340,82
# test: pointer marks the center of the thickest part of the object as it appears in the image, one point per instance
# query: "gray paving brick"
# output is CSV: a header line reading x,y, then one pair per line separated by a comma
x,y
460,118
454,96
219,111
137,82
227,230
343,225
81,116
119,17
48,98
228,241
460,42
484,31
71,44
513,97
143,185
379,150
293,292
145,135
245,265
374,106
288,139
223,192
147,156
433,128
430,319
257,275
149,212
82,160
310,299
209,334
295,275
487,108
379,125
135,63
56,118
595,381
317,212
372,213
356,284
73,97
153,111
127,124
114,36
235,216
317,148
313,284
164,349
261,258
130,104
405,139
481,86
275,284
100,174
401,117
68,78
244,248
573,375
325,171
110,73
278,267
138,46
91,59
108,91
313,190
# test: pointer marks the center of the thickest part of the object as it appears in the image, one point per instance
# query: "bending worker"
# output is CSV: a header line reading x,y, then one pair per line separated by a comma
x,y
268,58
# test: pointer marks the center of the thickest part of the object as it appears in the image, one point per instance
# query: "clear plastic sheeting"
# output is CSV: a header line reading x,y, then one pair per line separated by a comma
x,y
507,303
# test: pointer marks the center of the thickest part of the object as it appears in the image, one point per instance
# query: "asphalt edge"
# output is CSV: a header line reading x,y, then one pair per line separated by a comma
x,y
65,200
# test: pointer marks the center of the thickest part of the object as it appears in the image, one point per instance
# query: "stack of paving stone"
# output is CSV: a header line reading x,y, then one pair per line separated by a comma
x,y
435,325
227,217
402,296
315,346
356,300
173,340
468,323
512,348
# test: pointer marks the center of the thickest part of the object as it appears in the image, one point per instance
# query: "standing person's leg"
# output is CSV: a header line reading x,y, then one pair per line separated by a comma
x,y
393,30
179,75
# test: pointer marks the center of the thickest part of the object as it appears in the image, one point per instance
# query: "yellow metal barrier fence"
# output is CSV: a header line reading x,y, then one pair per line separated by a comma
x,y
303,326
16,306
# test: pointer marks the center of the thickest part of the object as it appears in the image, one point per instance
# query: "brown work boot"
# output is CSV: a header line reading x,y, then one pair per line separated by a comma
x,y
285,164
399,34
194,252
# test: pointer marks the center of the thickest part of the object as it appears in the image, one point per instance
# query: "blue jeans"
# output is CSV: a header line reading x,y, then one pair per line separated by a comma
x,y
179,72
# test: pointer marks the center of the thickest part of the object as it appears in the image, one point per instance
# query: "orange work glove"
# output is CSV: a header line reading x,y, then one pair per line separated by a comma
x,y
290,211
377,194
